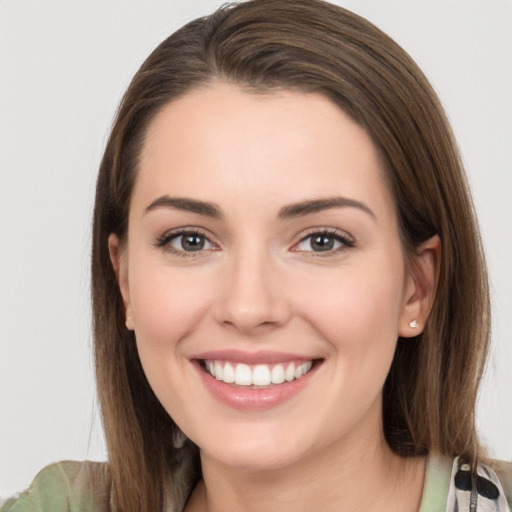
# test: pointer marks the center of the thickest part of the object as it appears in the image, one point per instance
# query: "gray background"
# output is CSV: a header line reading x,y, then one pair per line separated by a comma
x,y
64,67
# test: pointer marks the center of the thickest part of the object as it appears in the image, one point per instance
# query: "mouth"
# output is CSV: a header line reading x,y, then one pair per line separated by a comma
x,y
257,380
259,376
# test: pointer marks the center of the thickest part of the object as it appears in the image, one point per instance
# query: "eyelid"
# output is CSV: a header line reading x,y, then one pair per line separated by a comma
x,y
343,237
162,241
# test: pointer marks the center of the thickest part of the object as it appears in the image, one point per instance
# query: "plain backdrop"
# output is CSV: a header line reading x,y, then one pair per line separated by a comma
x,y
64,67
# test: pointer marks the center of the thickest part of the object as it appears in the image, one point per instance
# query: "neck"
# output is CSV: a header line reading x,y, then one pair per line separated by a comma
x,y
353,474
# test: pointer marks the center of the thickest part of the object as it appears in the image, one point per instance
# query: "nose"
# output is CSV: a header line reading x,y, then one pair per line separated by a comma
x,y
252,298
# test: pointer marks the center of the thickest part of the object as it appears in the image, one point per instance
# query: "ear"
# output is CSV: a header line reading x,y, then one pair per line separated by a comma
x,y
420,287
120,264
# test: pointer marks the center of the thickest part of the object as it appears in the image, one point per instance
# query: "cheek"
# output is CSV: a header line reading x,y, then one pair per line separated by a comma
x,y
168,304
357,307
358,316
357,313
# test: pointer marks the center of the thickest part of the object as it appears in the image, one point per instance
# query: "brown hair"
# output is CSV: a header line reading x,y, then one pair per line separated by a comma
x,y
312,46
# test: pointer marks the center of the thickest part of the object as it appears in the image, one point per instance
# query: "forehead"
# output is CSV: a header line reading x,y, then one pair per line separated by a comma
x,y
281,144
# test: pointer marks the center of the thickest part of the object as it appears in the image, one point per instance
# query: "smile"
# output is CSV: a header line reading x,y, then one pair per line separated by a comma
x,y
256,376
255,380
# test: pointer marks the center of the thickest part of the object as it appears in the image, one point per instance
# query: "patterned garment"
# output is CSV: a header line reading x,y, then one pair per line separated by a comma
x,y
449,487
482,492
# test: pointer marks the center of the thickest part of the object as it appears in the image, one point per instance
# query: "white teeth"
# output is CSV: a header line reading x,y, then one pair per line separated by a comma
x,y
228,375
259,375
277,375
289,374
218,370
243,375
303,369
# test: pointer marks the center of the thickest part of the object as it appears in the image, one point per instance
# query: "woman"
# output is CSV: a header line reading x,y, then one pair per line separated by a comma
x,y
290,298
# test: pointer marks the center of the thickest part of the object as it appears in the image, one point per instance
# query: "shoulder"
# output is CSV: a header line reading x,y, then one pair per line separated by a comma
x,y
65,487
503,471
450,486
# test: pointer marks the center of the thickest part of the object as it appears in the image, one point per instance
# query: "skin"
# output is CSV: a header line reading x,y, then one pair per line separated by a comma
x,y
258,284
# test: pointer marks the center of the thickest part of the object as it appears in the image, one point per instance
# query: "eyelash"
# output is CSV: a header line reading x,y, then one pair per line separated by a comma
x,y
163,241
345,241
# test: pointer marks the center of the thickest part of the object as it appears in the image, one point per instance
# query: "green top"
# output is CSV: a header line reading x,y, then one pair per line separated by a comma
x,y
86,486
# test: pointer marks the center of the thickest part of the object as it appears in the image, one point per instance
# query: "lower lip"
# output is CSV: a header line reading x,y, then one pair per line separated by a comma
x,y
253,398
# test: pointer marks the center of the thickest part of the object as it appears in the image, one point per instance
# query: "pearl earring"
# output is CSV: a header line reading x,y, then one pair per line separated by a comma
x,y
413,324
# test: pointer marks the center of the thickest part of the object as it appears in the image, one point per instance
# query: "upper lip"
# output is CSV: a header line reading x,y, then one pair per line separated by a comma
x,y
252,358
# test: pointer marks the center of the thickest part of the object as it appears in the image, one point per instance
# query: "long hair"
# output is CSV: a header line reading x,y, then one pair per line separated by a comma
x,y
312,46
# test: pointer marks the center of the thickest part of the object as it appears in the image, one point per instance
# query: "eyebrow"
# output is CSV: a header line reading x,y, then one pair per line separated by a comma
x,y
307,207
318,205
188,205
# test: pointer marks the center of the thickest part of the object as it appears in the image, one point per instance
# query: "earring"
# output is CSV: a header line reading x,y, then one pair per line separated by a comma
x,y
179,438
413,324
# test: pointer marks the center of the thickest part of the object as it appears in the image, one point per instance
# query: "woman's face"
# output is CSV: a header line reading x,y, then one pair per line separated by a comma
x,y
263,243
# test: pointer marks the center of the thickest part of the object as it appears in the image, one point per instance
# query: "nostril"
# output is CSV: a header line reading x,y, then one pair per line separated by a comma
x,y
252,312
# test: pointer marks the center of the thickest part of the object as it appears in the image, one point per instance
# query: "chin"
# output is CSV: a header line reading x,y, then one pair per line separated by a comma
x,y
252,460
255,451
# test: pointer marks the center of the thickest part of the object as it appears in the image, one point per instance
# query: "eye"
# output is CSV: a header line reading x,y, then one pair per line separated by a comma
x,y
190,242
324,241
184,242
